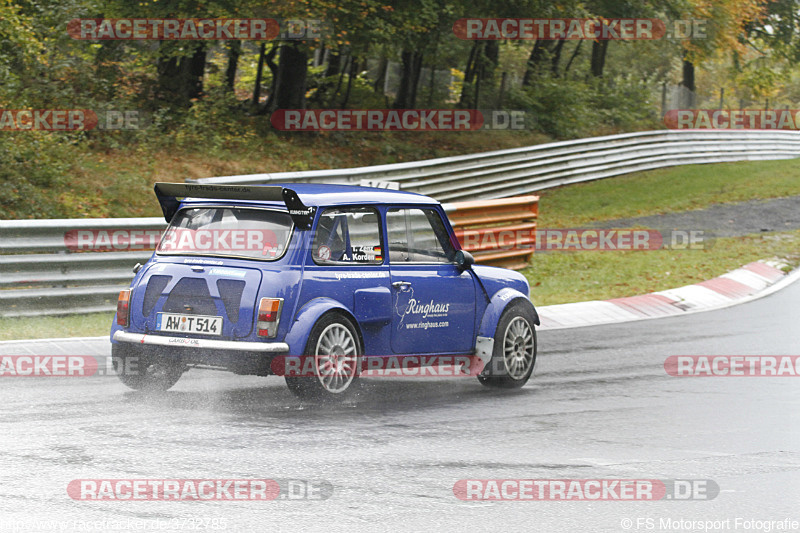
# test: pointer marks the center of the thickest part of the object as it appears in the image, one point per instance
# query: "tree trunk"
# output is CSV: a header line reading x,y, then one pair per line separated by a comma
x,y
409,78
599,49
431,84
194,69
501,91
417,73
483,60
290,86
334,64
234,50
259,73
319,55
490,59
383,68
556,59
572,57
109,56
347,62
469,75
350,76
538,53
168,73
688,83
180,78
269,60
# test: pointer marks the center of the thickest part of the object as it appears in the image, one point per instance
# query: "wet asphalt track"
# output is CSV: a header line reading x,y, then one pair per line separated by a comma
x,y
600,406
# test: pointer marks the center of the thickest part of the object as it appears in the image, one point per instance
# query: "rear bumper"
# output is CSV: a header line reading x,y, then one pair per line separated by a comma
x,y
209,344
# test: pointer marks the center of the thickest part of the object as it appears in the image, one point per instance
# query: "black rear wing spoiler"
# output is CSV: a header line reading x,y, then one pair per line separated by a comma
x,y
168,195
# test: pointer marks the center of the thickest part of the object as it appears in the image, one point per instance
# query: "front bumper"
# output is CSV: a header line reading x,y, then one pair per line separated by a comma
x,y
210,344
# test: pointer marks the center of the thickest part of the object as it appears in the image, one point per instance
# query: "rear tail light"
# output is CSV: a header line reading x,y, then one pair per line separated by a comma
x,y
269,314
123,308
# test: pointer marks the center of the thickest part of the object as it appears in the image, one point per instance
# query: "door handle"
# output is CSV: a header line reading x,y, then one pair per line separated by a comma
x,y
400,285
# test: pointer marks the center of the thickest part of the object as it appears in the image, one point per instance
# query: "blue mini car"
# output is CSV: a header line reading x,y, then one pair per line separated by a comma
x,y
338,275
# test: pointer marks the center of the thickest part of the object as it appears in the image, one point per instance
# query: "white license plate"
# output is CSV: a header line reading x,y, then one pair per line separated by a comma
x,y
196,324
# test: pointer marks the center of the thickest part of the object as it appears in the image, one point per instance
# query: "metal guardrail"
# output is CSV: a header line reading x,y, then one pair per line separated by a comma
x,y
520,171
39,274
37,257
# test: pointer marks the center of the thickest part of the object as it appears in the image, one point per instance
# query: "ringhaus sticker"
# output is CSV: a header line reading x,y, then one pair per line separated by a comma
x,y
416,313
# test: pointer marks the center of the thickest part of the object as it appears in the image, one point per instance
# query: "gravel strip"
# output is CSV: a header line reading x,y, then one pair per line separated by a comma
x,y
723,220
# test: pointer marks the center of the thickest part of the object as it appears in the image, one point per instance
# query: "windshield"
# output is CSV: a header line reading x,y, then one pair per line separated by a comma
x,y
228,231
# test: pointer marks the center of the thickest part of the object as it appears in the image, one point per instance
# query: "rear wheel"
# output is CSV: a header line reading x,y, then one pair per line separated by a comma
x,y
514,354
336,351
145,372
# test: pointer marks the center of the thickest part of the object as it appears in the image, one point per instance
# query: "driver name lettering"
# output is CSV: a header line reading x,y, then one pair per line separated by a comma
x,y
364,253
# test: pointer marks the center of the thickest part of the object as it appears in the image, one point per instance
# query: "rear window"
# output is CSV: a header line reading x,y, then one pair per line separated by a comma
x,y
228,231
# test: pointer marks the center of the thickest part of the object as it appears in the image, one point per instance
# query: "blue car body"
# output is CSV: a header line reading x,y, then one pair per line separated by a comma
x,y
398,306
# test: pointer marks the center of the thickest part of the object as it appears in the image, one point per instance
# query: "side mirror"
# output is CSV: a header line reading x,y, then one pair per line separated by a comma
x,y
464,260
136,268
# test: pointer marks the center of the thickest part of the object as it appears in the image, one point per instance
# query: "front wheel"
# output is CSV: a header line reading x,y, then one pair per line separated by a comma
x,y
336,349
514,354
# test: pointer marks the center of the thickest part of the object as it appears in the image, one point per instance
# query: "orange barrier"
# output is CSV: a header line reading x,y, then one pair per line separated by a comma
x,y
497,232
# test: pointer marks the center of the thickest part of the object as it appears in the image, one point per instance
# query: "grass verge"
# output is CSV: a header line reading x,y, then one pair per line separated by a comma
x,y
54,327
667,190
563,277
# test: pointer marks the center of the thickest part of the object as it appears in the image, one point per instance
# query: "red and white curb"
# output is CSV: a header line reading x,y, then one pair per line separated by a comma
x,y
752,281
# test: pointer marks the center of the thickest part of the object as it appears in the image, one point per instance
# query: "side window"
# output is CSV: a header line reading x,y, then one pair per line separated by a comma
x,y
417,236
348,235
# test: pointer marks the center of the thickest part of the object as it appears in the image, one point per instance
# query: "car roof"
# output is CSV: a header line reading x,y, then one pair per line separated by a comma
x,y
322,195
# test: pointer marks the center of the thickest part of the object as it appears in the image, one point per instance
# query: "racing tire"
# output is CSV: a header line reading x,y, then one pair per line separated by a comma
x,y
514,353
144,372
336,348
